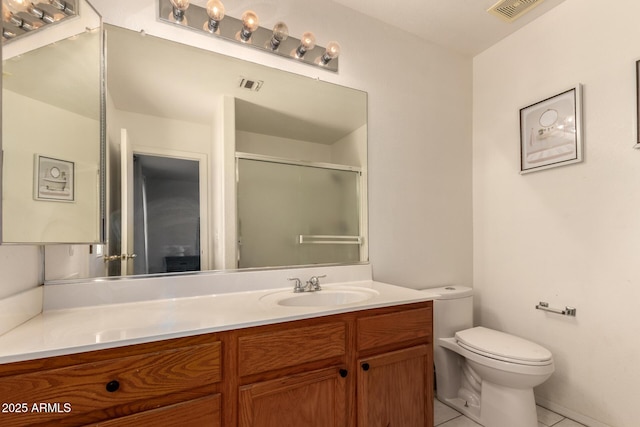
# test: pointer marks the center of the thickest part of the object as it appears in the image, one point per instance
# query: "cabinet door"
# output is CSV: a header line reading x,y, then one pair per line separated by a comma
x,y
393,389
311,399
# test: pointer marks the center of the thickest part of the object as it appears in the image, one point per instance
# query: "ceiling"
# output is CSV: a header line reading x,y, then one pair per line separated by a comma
x,y
462,25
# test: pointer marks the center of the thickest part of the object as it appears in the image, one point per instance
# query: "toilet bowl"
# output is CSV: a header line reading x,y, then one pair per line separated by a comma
x,y
486,374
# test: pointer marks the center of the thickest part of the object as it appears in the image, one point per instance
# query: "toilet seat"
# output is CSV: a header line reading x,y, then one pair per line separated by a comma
x,y
501,346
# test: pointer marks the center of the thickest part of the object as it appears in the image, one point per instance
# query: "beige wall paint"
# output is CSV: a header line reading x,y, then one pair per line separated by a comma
x,y
569,235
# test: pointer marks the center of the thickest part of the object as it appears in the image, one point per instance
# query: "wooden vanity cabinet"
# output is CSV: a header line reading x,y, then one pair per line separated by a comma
x,y
366,368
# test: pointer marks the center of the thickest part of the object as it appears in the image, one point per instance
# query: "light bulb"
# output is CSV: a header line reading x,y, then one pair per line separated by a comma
x,y
58,4
179,7
307,42
9,17
62,5
215,10
6,13
332,51
249,25
16,6
280,34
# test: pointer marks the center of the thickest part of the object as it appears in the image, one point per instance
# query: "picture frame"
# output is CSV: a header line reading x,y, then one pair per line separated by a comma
x,y
54,179
551,131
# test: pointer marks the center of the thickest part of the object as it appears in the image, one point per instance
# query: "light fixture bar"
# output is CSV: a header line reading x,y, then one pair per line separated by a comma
x,y
196,19
34,16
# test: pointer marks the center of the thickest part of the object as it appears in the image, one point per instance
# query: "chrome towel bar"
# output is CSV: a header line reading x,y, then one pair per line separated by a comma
x,y
329,240
568,311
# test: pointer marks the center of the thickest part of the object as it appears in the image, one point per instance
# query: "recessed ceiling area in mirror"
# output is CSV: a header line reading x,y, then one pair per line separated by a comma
x,y
52,133
170,100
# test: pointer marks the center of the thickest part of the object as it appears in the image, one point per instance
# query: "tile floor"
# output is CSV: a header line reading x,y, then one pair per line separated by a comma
x,y
446,416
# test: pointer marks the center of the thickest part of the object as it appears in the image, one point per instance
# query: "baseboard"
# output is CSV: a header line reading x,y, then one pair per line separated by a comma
x,y
17,309
565,412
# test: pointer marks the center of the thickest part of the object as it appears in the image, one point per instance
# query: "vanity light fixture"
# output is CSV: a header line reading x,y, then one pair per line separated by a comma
x,y
307,42
179,8
280,34
215,10
246,30
21,17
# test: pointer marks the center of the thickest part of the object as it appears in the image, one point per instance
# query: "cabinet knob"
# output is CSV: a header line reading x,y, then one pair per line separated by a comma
x,y
365,366
343,373
113,386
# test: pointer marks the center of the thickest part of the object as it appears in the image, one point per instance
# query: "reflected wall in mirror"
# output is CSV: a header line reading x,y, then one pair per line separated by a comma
x,y
52,102
196,114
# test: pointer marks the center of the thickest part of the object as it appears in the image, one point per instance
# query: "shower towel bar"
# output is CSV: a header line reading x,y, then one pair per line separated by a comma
x,y
568,311
327,240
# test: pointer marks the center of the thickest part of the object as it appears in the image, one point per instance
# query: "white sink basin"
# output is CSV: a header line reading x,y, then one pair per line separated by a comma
x,y
327,297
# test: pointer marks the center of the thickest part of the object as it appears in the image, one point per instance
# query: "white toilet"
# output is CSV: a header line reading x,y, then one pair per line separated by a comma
x,y
485,374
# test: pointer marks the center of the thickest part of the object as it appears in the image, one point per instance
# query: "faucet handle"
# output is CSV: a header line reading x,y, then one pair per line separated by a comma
x,y
314,281
297,287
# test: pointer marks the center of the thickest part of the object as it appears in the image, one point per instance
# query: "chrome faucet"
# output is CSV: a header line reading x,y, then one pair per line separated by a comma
x,y
312,285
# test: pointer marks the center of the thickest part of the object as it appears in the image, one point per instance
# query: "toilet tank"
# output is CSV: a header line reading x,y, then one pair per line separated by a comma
x,y
452,310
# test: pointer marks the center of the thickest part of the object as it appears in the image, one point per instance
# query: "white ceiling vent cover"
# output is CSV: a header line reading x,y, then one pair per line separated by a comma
x,y
250,84
510,10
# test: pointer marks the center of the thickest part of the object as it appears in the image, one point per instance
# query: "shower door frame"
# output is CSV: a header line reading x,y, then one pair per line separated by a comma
x,y
362,192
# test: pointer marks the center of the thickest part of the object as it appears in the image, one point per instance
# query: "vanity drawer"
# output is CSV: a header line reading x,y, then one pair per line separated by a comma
x,y
203,412
115,387
291,346
394,328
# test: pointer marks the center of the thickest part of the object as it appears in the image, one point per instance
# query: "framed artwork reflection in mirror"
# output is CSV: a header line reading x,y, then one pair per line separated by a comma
x,y
53,179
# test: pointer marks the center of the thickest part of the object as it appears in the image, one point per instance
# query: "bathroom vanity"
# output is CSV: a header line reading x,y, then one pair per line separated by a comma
x,y
362,364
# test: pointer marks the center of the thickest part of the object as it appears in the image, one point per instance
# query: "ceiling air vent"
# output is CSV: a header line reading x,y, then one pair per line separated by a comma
x,y
510,10
250,84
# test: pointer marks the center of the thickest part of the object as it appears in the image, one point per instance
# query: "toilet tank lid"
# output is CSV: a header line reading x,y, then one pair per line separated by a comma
x,y
503,345
451,292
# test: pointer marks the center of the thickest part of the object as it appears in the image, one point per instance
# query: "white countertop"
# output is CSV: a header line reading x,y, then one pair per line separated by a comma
x,y
74,330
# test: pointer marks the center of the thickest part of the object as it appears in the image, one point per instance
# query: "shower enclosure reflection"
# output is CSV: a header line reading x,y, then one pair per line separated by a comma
x,y
313,213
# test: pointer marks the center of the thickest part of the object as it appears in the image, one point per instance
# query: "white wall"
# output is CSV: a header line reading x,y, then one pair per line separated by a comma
x,y
569,235
269,145
20,269
26,219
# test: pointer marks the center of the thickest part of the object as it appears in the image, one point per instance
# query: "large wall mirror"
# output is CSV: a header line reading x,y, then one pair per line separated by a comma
x,y
52,102
214,163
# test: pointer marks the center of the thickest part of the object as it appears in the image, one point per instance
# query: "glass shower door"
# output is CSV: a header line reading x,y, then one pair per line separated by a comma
x,y
291,214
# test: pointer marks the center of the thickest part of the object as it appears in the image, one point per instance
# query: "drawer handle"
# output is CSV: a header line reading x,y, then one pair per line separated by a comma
x,y
365,366
343,373
113,386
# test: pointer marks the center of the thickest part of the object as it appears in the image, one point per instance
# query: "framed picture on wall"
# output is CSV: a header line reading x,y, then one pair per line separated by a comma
x,y
551,132
53,179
